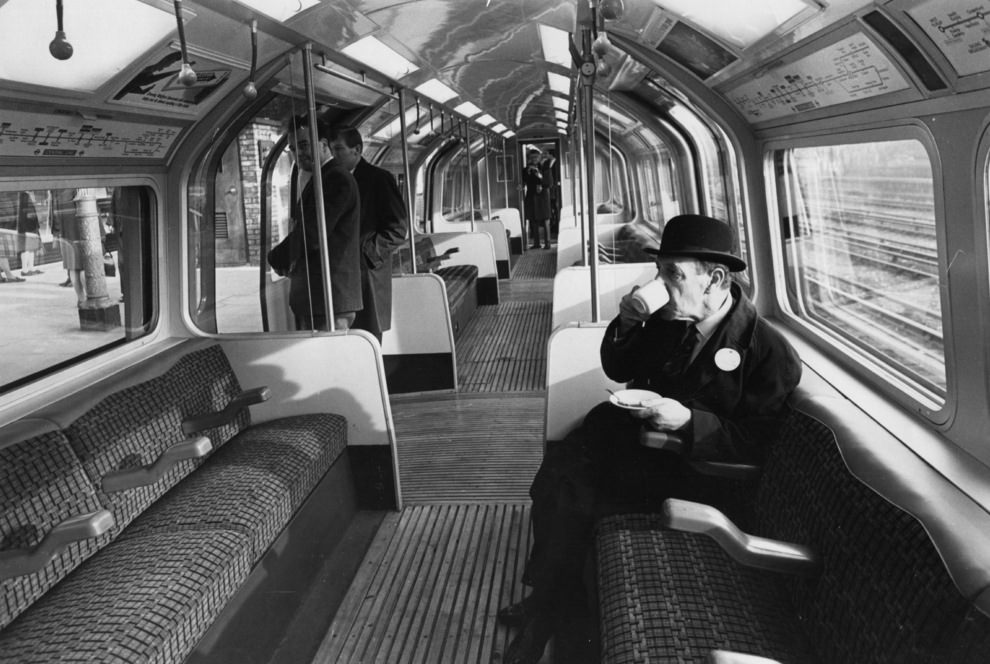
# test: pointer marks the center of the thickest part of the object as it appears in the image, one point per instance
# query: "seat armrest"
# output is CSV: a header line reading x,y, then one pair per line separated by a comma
x,y
729,471
661,440
234,406
131,478
732,657
19,562
749,550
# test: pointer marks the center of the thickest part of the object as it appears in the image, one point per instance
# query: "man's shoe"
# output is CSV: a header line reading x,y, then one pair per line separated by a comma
x,y
514,615
535,246
528,646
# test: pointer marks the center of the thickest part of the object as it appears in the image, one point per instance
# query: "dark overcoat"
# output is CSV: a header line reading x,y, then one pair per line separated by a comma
x,y
298,255
736,406
536,204
383,229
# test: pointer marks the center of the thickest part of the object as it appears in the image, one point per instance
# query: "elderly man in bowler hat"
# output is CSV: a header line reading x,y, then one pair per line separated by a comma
x,y
724,376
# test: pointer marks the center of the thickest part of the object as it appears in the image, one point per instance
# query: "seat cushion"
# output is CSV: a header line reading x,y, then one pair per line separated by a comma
x,y
255,483
41,484
144,599
667,596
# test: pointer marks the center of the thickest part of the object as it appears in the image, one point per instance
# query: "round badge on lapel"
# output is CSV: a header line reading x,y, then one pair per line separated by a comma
x,y
727,359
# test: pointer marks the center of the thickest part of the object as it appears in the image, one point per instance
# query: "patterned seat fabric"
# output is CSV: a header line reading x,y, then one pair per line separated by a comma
x,y
884,594
41,484
132,427
143,599
674,597
255,483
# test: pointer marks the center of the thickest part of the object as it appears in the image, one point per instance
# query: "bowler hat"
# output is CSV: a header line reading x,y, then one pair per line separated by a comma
x,y
701,237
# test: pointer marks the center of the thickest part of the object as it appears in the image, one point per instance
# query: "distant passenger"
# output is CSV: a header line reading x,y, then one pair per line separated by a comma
x,y
383,228
298,255
71,245
536,202
724,376
28,233
551,179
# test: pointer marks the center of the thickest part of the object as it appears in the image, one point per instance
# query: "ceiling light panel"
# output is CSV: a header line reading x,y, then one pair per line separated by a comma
x,y
26,28
484,120
556,46
467,109
559,83
561,104
499,127
372,52
436,90
280,10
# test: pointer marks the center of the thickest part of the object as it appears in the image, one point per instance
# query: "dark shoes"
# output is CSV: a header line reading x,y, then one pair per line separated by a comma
x,y
546,246
529,644
535,246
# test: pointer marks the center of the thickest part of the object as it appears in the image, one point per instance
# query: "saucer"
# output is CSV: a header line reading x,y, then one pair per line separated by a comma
x,y
633,399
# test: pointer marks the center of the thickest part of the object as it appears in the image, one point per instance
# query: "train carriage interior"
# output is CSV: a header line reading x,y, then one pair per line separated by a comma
x,y
190,472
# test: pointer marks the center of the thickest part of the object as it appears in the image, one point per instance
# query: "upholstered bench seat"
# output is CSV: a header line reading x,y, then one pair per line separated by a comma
x,y
255,483
865,579
162,497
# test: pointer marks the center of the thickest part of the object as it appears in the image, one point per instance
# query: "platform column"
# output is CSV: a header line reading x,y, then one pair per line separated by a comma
x,y
97,312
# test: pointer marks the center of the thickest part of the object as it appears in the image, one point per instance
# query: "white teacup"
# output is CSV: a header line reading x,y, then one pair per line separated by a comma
x,y
647,299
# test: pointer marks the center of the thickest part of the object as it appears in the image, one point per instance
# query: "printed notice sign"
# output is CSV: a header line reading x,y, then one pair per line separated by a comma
x,y
65,136
853,68
960,29
157,86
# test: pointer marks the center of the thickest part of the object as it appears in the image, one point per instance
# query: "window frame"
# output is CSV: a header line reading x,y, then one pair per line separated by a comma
x,y
881,376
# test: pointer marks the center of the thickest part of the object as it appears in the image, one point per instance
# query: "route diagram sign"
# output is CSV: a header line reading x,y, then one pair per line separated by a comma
x,y
850,69
65,136
960,29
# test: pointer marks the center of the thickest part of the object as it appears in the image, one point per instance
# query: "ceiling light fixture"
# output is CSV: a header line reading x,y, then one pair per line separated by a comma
x,y
374,53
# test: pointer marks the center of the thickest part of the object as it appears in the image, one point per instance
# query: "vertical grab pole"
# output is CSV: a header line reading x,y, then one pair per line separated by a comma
x,y
467,152
321,213
579,172
588,125
405,170
488,176
505,177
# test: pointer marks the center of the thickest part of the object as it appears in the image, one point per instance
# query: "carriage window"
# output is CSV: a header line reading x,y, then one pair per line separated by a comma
x,y
862,254
76,271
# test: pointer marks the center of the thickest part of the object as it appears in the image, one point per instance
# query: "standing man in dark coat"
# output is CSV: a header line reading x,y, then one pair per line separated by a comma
x,y
383,228
551,178
298,255
723,376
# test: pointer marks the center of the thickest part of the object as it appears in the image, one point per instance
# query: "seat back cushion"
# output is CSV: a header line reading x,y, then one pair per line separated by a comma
x,y
884,594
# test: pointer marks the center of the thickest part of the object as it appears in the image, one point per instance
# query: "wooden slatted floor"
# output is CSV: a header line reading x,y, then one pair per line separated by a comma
x,y
434,580
469,447
504,348
437,572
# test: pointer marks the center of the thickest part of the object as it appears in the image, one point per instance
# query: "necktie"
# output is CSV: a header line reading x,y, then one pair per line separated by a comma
x,y
680,358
